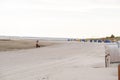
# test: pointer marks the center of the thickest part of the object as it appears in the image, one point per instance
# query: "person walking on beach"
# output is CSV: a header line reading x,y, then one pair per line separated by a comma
x,y
37,44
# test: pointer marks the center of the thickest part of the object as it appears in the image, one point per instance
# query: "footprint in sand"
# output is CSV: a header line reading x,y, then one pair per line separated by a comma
x,y
44,78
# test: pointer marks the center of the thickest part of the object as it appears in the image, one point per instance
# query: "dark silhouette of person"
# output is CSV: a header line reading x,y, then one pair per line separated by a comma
x,y
37,44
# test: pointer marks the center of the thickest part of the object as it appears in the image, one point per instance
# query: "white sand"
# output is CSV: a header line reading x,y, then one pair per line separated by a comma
x,y
65,61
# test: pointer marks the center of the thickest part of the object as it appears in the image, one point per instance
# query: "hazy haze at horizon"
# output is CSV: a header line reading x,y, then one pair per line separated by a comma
x,y
60,18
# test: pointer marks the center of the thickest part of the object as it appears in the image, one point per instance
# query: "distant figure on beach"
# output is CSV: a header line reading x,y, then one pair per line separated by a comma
x,y
37,44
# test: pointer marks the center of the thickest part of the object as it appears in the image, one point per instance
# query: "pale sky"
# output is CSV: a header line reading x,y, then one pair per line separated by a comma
x,y
60,18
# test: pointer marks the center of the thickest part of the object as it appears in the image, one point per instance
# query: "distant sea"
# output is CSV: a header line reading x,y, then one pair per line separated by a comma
x,y
36,38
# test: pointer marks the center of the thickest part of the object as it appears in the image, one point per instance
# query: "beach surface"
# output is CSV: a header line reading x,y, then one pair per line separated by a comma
x,y
61,61
19,44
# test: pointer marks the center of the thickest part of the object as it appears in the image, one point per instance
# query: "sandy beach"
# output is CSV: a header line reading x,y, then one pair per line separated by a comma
x,y
61,61
19,44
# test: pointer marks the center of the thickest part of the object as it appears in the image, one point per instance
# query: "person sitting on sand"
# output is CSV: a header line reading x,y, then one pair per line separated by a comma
x,y
37,44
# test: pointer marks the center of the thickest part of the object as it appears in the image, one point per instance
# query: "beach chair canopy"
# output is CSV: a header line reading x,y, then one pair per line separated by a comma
x,y
114,52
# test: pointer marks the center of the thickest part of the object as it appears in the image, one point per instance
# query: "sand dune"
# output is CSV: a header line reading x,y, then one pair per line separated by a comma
x,y
63,61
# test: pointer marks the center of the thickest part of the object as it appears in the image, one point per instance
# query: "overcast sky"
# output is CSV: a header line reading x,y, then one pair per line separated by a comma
x,y
60,18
